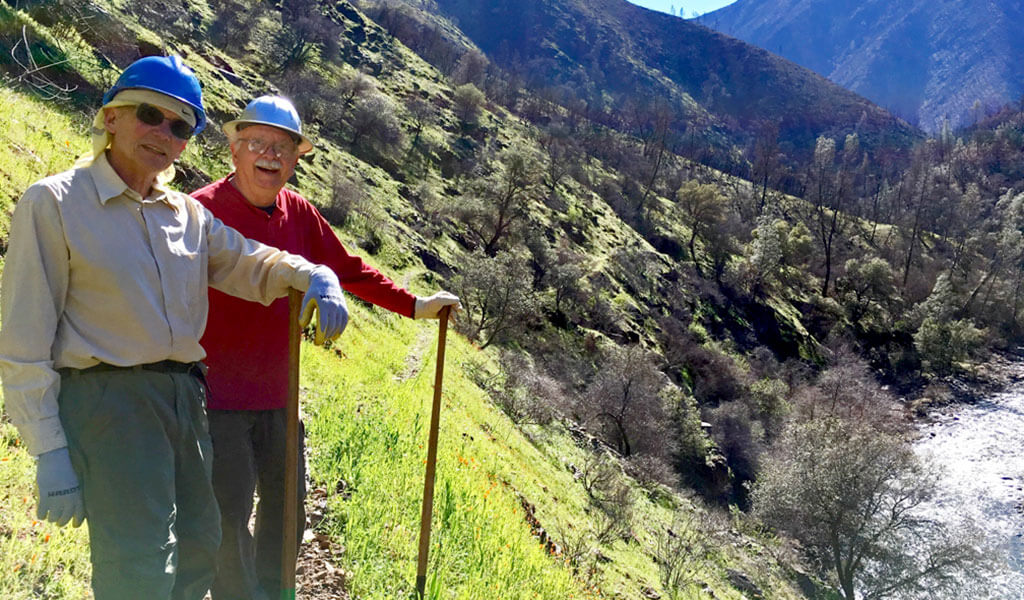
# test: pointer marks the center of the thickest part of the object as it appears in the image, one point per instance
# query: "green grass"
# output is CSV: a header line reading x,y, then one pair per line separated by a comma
x,y
30,134
366,404
367,418
38,560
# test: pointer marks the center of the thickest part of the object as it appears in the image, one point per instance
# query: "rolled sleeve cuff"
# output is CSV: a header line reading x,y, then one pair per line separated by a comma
x,y
303,275
43,435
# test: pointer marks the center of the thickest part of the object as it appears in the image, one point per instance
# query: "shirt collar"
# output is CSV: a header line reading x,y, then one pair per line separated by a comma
x,y
110,185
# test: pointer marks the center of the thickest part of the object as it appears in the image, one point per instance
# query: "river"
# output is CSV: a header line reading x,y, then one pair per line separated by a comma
x,y
981,448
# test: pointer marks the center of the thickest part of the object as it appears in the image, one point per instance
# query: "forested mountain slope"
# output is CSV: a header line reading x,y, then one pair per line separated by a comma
x,y
620,59
925,61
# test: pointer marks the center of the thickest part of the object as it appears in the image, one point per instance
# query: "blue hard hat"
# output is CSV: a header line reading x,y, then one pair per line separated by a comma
x,y
275,111
167,75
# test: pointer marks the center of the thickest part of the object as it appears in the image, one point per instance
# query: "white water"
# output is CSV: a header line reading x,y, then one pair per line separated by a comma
x,y
981,448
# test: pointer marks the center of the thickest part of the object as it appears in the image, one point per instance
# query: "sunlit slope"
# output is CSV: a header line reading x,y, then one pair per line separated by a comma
x,y
367,404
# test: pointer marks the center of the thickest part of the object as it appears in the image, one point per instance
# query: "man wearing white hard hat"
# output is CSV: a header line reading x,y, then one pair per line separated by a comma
x,y
104,300
247,342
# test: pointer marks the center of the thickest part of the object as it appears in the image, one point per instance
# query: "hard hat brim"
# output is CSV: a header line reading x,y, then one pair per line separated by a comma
x,y
305,145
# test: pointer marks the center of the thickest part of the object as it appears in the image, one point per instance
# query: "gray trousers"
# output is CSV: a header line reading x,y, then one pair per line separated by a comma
x,y
248,456
140,445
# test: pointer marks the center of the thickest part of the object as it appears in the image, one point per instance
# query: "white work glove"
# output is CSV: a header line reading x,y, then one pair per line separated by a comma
x,y
430,307
60,496
324,295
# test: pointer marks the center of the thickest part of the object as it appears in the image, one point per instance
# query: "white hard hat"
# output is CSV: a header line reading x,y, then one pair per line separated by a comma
x,y
275,111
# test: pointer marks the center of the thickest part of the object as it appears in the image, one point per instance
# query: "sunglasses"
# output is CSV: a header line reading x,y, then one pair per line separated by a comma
x,y
258,146
151,115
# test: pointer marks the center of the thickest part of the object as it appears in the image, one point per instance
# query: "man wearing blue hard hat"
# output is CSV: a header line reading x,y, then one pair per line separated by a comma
x,y
104,299
249,368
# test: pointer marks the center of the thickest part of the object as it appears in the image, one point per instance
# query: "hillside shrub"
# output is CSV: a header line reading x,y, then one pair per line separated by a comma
x,y
229,27
769,399
680,551
740,437
499,301
305,33
942,344
468,103
624,401
650,471
376,128
346,198
524,392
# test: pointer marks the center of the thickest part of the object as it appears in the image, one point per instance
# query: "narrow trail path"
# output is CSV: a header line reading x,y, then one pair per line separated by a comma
x,y
317,576
414,359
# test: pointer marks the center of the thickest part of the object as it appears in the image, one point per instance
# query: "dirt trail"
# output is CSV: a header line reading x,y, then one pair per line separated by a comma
x,y
414,359
316,575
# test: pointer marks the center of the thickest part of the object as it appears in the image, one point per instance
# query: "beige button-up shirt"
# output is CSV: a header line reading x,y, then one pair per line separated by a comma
x,y
97,273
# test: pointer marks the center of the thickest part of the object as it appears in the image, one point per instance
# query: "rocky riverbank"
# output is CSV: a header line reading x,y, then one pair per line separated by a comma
x,y
998,373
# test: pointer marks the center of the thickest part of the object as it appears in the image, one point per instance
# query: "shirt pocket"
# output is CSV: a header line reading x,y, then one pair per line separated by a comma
x,y
190,257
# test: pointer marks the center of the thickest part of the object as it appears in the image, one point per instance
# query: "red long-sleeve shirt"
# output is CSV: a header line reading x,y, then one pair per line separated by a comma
x,y
247,343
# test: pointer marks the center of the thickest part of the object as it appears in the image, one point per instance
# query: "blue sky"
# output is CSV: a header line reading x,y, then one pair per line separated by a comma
x,y
688,6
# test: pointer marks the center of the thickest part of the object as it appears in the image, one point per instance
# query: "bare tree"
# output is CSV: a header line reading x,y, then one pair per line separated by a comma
x,y
626,400
422,113
499,203
559,152
766,161
825,194
497,296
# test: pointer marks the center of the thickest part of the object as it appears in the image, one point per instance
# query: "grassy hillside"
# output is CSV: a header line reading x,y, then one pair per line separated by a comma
x,y
517,513
366,405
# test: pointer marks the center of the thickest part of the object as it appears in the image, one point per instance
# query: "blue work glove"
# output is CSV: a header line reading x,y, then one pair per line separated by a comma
x,y
324,295
60,496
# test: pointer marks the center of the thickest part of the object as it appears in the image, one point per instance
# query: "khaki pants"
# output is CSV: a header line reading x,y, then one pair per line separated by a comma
x,y
140,444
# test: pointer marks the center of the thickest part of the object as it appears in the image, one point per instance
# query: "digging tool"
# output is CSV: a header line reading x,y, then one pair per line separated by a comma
x,y
289,539
428,482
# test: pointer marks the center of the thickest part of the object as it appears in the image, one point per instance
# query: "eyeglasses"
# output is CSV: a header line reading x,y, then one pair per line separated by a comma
x,y
286,150
151,115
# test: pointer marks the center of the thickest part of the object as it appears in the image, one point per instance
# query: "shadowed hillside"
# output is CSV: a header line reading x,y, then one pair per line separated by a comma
x,y
613,55
923,60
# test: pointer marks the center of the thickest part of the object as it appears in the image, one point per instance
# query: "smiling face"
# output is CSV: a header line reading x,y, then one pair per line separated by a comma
x,y
139,152
261,175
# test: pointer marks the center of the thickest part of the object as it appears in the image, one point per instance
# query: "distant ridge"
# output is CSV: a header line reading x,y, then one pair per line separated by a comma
x,y
922,59
612,51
